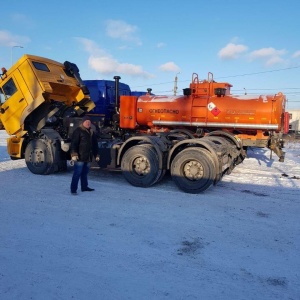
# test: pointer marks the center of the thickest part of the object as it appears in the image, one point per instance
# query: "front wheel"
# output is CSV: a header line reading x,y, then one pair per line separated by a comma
x,y
140,166
39,157
193,170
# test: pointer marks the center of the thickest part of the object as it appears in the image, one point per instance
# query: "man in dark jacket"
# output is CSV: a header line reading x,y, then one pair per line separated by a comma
x,y
83,147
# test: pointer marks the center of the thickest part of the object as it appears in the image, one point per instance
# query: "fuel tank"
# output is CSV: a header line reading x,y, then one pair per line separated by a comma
x,y
206,104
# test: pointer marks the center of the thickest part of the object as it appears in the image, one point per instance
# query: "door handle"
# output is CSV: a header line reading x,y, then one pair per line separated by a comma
x,y
3,110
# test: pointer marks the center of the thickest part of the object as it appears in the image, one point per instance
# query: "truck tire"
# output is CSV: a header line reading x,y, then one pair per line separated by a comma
x,y
140,166
39,158
193,170
161,172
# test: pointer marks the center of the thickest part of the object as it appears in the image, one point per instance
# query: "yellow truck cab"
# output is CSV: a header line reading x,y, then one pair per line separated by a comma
x,y
36,91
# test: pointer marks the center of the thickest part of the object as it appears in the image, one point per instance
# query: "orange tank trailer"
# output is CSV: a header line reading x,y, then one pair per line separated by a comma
x,y
207,105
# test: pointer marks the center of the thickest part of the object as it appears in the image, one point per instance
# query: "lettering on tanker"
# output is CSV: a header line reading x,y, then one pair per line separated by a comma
x,y
164,111
240,112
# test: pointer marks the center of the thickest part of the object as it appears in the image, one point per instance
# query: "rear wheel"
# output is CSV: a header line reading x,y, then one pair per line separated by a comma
x,y
39,157
193,170
161,172
140,166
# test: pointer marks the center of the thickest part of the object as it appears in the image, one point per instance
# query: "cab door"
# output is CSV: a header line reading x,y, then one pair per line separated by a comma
x,y
16,94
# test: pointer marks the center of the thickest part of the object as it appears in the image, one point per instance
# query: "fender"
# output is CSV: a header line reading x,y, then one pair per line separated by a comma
x,y
159,145
204,143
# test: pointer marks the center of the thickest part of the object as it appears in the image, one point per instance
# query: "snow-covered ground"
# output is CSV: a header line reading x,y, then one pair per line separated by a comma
x,y
238,240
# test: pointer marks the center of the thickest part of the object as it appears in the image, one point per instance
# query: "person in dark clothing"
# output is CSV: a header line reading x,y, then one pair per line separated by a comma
x,y
83,147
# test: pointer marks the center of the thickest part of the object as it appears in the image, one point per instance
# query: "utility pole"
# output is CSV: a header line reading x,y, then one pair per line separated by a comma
x,y
175,84
11,53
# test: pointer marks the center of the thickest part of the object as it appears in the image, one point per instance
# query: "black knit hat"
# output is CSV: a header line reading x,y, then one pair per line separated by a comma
x,y
85,118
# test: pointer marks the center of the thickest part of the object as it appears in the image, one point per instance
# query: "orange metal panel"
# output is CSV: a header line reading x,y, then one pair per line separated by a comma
x,y
128,112
286,122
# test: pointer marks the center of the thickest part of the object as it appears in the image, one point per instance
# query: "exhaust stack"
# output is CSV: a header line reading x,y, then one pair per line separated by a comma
x,y
117,79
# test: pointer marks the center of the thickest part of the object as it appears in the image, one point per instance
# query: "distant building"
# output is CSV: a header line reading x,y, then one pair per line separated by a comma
x,y
294,120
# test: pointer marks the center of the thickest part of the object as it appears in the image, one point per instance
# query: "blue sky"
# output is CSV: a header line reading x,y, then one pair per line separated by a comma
x,y
254,45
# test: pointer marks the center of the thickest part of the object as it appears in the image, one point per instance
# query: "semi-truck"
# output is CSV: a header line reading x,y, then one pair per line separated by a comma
x,y
197,137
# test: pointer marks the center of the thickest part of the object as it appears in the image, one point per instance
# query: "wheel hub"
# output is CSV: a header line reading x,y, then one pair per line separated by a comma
x,y
37,157
141,166
193,170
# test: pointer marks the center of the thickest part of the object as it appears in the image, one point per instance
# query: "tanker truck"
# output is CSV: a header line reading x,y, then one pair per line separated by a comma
x,y
197,137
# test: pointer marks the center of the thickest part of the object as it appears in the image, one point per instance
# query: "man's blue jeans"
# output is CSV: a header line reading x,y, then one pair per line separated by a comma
x,y
81,170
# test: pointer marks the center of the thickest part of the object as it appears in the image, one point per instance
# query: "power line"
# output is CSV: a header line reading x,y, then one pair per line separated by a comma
x,y
229,76
249,93
271,89
283,90
271,71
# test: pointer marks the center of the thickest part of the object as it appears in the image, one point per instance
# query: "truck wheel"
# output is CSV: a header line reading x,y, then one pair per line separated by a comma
x,y
161,172
140,166
38,157
193,170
